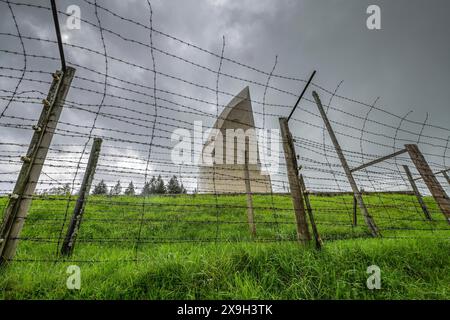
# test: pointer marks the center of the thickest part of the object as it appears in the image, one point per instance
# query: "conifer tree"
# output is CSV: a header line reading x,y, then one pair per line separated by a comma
x,y
100,189
160,188
130,191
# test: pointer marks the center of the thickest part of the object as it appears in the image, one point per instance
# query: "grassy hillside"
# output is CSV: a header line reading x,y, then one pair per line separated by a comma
x,y
199,248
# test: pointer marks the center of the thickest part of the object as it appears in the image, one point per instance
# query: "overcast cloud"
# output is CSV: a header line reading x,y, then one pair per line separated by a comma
x,y
406,64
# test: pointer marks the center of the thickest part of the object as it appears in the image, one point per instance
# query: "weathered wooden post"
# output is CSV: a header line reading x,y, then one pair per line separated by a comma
x,y
303,234
250,213
367,217
20,200
430,180
355,211
417,193
316,234
72,231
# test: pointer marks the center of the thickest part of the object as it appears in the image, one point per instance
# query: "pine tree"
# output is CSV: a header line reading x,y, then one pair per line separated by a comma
x,y
173,187
160,188
100,189
117,189
153,185
129,191
146,190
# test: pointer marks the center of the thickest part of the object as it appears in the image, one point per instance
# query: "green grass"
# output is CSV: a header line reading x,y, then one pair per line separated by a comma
x,y
185,254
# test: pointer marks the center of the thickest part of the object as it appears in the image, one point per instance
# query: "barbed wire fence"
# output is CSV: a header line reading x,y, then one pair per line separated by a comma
x,y
384,168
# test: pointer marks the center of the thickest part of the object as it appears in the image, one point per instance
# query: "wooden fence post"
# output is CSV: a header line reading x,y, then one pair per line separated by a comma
x,y
417,193
430,180
355,211
316,234
250,213
72,231
303,234
367,217
20,201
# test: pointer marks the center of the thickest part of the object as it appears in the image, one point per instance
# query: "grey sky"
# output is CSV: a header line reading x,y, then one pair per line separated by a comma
x,y
406,65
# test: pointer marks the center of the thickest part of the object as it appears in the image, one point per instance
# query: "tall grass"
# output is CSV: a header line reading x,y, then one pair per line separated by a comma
x,y
186,254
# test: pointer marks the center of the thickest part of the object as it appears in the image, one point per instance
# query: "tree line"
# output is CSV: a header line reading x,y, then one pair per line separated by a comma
x,y
154,186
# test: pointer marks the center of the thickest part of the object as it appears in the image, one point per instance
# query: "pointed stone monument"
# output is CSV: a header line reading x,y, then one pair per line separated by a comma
x,y
227,173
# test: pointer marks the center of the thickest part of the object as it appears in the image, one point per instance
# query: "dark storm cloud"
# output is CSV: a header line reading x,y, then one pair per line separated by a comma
x,y
406,63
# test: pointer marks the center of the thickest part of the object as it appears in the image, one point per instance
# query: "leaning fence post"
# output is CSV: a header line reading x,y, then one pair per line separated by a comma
x,y
250,213
20,200
355,211
303,234
310,213
72,231
430,180
368,218
416,192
